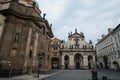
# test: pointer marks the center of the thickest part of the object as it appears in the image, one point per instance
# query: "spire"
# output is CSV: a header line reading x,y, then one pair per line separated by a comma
x,y
75,30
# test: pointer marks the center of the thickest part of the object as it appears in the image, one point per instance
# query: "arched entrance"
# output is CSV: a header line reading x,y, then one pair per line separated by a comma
x,y
90,62
78,58
105,59
55,63
115,65
66,59
77,65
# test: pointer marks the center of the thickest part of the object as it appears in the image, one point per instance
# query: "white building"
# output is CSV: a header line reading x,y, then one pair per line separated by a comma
x,y
77,53
116,35
106,54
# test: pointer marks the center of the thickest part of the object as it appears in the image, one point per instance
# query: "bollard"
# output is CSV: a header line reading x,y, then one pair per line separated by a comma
x,y
104,78
94,75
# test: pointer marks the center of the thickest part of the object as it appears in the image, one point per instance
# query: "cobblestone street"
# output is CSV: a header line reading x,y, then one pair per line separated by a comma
x,y
70,75
83,75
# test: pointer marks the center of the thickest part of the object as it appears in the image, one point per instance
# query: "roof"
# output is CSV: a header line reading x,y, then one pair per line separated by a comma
x,y
117,28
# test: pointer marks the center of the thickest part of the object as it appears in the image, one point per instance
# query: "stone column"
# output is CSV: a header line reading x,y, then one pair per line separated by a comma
x,y
62,62
2,23
94,62
71,65
85,62
35,45
28,43
35,49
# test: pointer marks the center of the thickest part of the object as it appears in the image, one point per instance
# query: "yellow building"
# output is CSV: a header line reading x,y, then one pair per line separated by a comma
x,y
55,53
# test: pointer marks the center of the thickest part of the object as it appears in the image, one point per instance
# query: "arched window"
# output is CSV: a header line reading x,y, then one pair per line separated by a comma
x,y
16,39
66,58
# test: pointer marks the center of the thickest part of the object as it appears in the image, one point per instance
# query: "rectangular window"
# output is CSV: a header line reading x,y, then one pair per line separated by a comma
x,y
43,30
118,38
55,48
30,55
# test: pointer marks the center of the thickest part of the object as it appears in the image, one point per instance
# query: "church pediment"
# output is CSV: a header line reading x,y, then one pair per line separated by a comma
x,y
76,34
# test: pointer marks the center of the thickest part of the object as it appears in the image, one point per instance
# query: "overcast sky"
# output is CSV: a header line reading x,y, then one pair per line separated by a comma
x,y
92,17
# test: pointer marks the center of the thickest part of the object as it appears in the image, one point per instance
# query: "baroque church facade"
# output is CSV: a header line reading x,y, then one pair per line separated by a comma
x,y
24,38
77,53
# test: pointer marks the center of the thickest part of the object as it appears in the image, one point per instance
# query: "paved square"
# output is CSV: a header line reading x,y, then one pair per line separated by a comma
x,y
83,75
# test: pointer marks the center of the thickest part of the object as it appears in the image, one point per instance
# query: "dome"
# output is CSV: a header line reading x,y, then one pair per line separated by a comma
x,y
36,3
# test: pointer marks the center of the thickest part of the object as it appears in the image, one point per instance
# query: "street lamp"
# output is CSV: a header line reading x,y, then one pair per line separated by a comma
x,y
9,64
10,69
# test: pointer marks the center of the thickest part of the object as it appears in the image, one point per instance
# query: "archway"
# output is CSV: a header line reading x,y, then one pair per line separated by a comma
x,y
55,63
66,59
77,65
78,58
115,65
105,59
90,62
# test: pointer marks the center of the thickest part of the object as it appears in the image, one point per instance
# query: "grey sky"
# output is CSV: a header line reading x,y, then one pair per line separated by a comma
x,y
92,17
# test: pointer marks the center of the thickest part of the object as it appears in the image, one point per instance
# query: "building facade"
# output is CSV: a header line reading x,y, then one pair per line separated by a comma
x,y
77,53
106,54
116,35
25,37
55,53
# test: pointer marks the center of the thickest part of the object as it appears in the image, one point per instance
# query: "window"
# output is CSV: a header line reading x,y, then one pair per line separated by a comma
x,y
62,46
72,46
43,30
14,50
16,39
48,57
55,48
118,35
116,41
30,55
55,43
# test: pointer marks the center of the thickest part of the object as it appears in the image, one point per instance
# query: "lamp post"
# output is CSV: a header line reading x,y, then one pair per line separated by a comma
x,y
9,64
10,69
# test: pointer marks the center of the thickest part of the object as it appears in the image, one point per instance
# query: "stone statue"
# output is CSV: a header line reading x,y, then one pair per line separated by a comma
x,y
71,33
75,30
44,15
50,25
